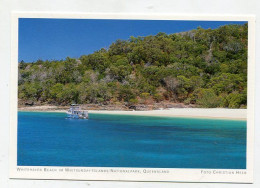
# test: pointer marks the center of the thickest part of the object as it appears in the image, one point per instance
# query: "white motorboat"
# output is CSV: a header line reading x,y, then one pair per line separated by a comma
x,y
76,113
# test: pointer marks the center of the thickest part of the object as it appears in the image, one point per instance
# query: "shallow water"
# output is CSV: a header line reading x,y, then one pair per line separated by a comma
x,y
49,139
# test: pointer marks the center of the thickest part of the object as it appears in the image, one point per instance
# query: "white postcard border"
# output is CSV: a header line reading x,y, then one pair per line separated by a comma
x,y
131,174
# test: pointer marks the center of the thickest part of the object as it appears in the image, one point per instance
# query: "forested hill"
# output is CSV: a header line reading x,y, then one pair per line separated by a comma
x,y
205,67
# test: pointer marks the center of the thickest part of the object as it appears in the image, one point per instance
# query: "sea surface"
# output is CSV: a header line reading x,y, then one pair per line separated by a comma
x,y
49,139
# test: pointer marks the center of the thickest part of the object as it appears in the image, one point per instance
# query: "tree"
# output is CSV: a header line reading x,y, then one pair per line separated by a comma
x,y
125,93
172,85
56,92
207,98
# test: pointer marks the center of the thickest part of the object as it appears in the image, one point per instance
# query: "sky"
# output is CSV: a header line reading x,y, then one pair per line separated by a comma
x,y
56,39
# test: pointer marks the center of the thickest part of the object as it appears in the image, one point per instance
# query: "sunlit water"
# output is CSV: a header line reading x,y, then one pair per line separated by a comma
x,y
49,139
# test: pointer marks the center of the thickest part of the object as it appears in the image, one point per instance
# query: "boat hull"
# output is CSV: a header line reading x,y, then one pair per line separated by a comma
x,y
76,116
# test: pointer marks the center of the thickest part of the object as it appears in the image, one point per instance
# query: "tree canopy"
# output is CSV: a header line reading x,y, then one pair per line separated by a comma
x,y
205,67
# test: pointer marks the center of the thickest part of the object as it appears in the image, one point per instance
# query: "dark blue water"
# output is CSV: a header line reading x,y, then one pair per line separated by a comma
x,y
48,139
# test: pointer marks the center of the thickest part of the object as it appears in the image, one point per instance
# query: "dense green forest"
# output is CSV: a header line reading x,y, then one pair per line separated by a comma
x,y
204,67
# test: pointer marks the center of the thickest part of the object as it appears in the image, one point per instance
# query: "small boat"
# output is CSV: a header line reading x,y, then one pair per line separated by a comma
x,y
76,113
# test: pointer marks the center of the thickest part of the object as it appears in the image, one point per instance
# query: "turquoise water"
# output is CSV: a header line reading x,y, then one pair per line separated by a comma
x,y
49,139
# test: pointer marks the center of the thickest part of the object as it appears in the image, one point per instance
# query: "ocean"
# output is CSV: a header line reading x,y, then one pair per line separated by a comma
x,y
49,139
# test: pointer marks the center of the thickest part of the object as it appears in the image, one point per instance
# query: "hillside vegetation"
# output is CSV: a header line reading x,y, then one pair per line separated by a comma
x,y
204,67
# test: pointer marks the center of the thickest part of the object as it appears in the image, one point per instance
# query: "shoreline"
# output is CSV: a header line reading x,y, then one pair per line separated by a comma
x,y
206,113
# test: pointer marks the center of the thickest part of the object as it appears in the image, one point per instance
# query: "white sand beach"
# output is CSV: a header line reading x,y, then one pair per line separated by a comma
x,y
218,113
43,108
